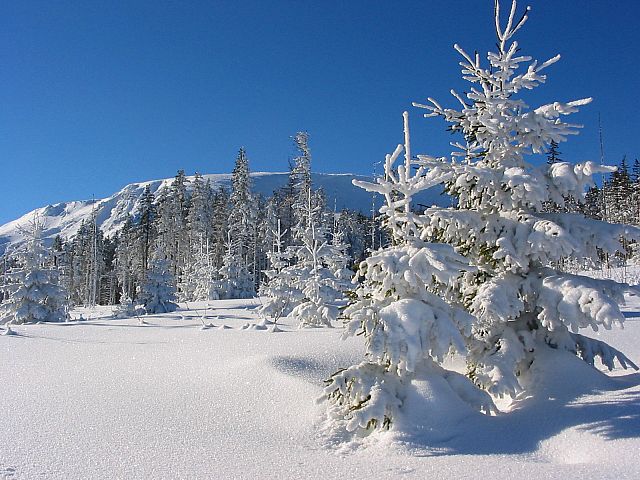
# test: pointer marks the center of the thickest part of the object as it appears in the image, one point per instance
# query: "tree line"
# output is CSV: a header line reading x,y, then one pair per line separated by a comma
x,y
201,242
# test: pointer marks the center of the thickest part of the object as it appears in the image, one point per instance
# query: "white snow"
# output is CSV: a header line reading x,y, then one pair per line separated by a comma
x,y
106,398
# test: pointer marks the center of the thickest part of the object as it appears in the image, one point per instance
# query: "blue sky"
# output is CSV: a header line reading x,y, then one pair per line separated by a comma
x,y
95,95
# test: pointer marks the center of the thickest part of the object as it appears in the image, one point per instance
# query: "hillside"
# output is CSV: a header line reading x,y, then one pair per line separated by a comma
x,y
65,218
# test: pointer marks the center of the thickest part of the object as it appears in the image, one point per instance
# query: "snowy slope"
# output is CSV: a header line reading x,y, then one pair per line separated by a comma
x,y
113,399
65,218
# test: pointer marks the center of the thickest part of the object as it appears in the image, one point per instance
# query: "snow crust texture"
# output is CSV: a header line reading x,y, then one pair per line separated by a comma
x,y
106,398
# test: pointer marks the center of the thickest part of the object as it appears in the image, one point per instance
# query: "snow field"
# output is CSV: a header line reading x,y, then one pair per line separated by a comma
x,y
110,398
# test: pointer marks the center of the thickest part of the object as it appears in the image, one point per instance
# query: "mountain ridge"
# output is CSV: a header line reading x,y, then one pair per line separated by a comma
x,y
65,218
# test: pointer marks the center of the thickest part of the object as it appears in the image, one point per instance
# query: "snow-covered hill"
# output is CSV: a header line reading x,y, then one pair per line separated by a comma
x,y
65,218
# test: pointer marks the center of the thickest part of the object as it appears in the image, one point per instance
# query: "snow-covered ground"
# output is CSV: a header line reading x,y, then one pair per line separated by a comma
x,y
105,398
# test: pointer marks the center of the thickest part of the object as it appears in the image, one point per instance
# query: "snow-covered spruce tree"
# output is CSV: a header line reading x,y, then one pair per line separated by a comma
x,y
145,232
34,292
237,279
520,304
279,294
197,272
301,179
219,226
339,262
403,310
125,259
205,275
157,293
171,222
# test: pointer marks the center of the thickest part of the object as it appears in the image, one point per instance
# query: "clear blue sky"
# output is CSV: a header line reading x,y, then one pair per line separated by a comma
x,y
95,94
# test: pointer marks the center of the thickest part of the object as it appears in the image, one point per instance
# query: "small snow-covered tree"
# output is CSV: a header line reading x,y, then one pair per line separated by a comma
x,y
520,304
157,293
126,308
205,275
34,292
279,294
317,283
403,309
338,263
236,280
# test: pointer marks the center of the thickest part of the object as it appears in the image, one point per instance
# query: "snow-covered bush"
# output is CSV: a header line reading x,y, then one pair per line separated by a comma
x,y
157,293
126,308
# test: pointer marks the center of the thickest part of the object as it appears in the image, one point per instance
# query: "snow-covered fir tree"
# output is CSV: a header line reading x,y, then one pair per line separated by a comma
x,y
339,262
278,291
125,259
236,274
409,329
199,225
173,238
204,275
146,231
301,179
619,195
520,305
311,276
34,292
219,226
302,281
236,280
158,292
495,297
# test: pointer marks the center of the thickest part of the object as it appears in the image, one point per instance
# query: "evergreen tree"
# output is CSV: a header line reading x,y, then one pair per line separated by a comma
x,y
237,279
34,292
173,239
520,305
408,328
494,297
157,293
108,282
619,195
87,264
553,155
301,177
146,230
206,282
198,225
220,226
278,290
126,259
635,199
126,308
310,272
